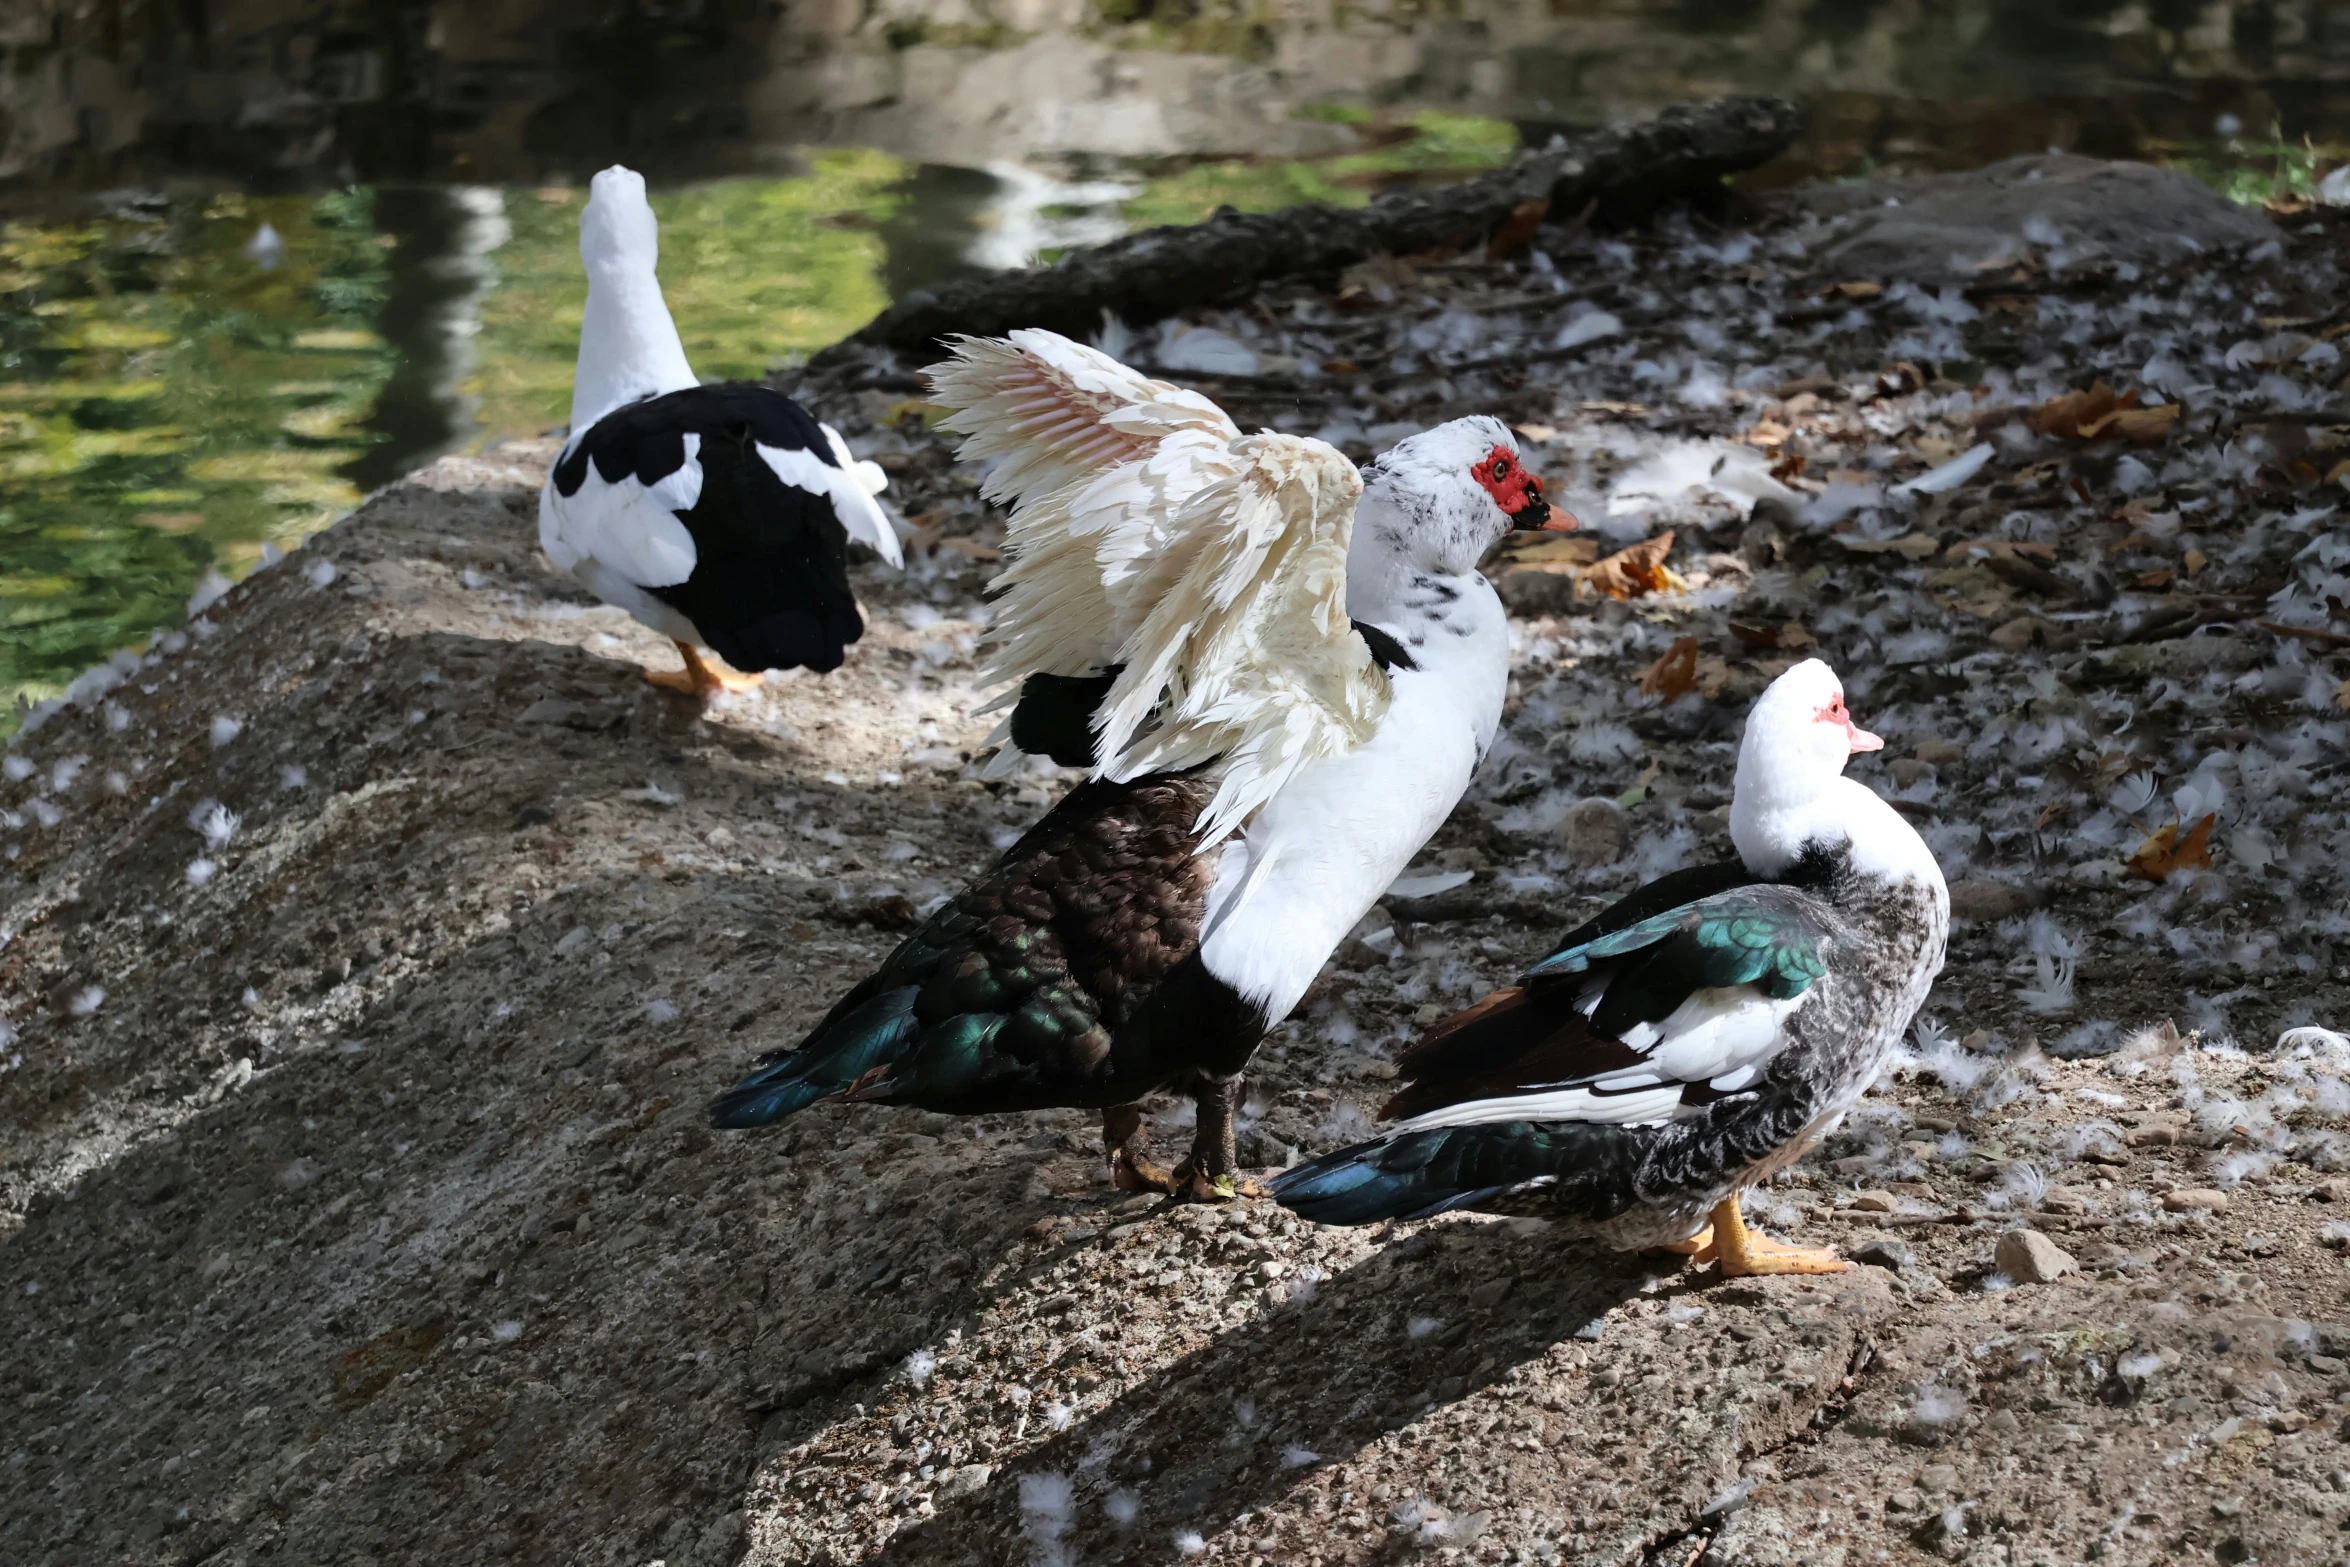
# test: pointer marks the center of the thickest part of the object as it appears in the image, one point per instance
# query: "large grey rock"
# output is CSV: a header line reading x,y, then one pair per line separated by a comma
x,y
2061,210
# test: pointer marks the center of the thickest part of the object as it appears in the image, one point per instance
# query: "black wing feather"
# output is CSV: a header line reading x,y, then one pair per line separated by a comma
x,y
770,586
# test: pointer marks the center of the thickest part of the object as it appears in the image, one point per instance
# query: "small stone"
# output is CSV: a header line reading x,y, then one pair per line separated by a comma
x,y
2194,1199
1904,1502
1908,772
2029,1257
2335,1190
1937,752
2004,1422
2325,1365
1595,832
1876,1202
1975,899
1882,1253
1938,1478
2065,1199
966,1480
2159,1135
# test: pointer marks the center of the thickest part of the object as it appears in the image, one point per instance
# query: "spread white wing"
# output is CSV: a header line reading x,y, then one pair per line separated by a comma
x,y
1148,532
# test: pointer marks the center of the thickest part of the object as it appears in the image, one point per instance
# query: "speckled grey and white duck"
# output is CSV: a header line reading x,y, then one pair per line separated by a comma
x,y
1691,1040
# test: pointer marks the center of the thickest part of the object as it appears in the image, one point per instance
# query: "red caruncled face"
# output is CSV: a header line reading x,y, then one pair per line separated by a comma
x,y
1507,481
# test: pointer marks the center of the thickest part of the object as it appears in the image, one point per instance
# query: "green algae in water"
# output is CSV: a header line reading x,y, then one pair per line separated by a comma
x,y
1430,144
757,273
166,405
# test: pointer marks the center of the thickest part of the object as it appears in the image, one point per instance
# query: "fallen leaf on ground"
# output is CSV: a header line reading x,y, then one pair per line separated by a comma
x,y
1854,290
972,549
2342,697
1791,636
2100,414
2170,850
1629,573
1376,281
1998,549
1910,546
1549,552
1675,674
1524,221
2195,561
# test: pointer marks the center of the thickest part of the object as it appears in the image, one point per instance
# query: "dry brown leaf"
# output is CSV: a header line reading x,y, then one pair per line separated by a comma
x,y
2154,581
2102,414
1766,432
1674,675
2050,812
1790,637
1551,552
1999,549
1788,468
1629,573
1861,289
1524,221
1377,280
1604,406
2342,697
2194,561
972,549
2170,850
1910,546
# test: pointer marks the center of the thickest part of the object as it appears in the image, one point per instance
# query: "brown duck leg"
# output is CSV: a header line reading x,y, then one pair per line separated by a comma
x,y
1212,1173
699,679
1132,1169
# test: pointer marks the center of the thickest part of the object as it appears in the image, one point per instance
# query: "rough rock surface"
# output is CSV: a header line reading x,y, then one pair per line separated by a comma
x,y
355,1203
1946,228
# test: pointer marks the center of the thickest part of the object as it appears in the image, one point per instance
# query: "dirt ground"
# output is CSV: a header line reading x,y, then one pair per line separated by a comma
x,y
369,950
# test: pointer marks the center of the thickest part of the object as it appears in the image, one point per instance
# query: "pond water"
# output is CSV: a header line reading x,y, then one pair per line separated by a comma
x,y
258,257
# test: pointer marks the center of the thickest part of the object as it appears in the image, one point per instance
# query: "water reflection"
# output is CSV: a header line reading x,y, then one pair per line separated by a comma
x,y
517,92
355,246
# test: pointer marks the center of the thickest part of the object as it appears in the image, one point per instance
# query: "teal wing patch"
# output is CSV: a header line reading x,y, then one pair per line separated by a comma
x,y
1774,938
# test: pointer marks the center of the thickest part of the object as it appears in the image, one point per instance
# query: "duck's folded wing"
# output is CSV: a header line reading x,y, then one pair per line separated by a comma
x,y
1203,570
1012,994
1654,1019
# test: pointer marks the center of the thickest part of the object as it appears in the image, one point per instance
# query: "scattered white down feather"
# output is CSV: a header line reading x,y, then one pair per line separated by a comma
x,y
1147,531
1048,1511
2057,957
1950,475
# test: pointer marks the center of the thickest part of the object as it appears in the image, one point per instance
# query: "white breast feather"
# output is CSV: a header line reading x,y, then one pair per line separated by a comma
x,y
629,528
1147,531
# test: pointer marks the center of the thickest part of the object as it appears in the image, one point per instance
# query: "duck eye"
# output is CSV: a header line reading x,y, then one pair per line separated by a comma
x,y
1501,467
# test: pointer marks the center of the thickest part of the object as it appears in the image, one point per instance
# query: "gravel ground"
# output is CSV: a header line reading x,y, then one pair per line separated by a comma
x,y
370,951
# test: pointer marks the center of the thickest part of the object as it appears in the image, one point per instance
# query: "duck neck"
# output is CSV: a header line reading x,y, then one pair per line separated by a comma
x,y
628,345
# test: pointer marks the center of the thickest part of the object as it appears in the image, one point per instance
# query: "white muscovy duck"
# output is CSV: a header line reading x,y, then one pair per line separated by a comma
x,y
1279,698
1691,1040
717,515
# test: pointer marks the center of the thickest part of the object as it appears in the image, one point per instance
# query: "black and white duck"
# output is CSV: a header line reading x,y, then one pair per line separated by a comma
x,y
1278,699
1691,1040
719,515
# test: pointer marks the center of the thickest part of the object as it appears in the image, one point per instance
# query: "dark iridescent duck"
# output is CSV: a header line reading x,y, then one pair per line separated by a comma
x,y
1178,617
1689,1041
720,516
